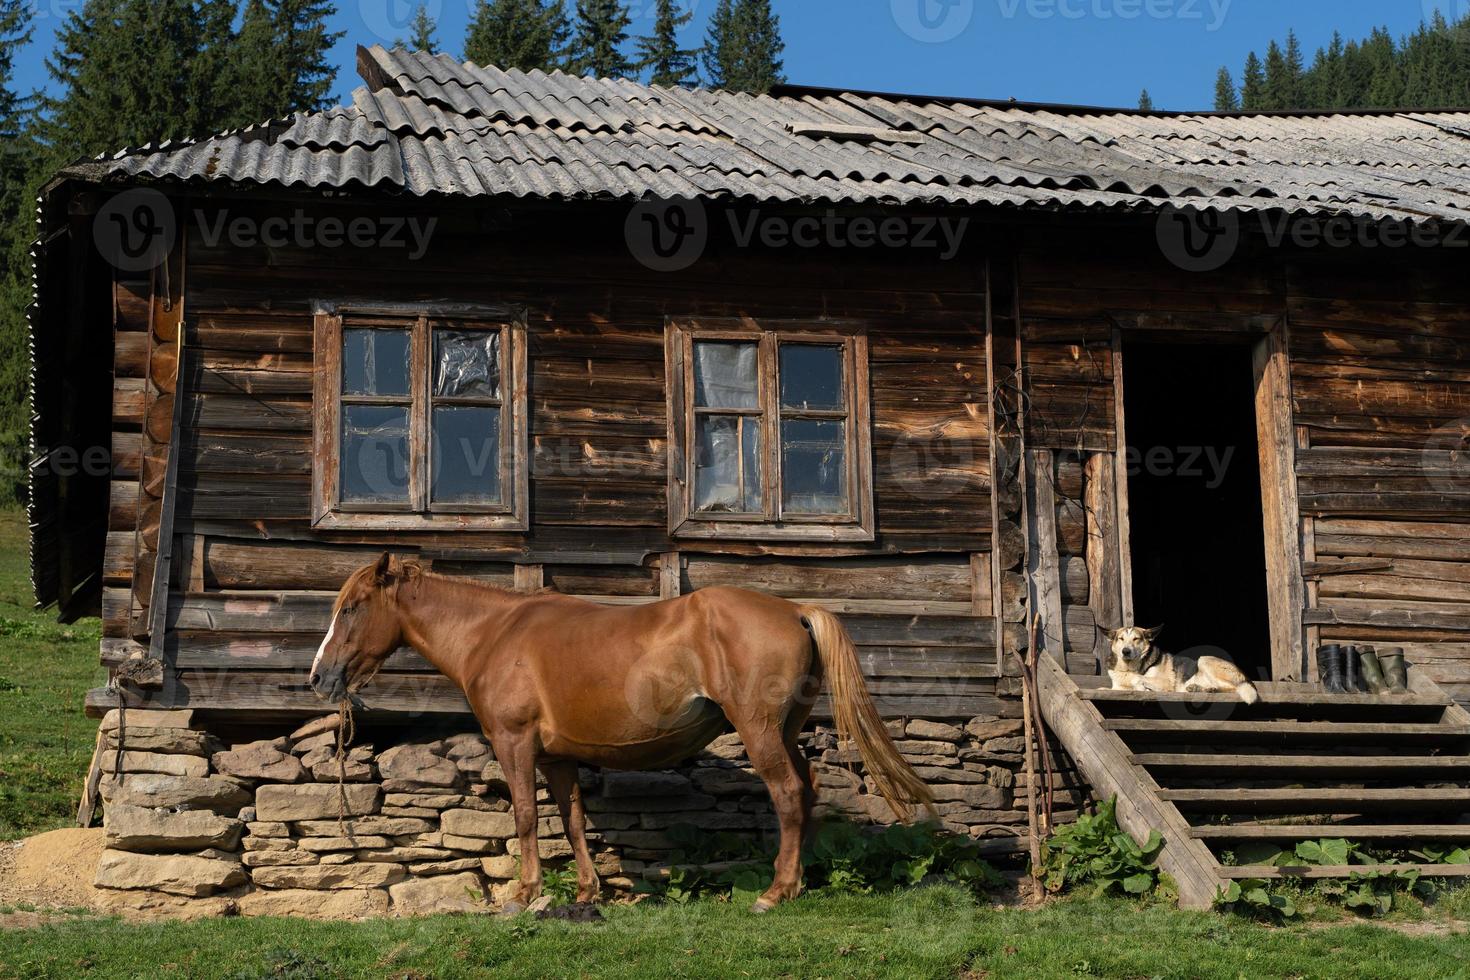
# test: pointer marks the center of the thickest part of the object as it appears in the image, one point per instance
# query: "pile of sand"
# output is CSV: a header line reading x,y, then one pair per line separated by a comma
x,y
52,870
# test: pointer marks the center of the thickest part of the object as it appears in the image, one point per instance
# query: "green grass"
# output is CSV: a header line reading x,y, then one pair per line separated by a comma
x,y
45,670
931,932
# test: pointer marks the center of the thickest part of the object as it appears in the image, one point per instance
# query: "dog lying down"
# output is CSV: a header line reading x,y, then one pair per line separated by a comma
x,y
1136,664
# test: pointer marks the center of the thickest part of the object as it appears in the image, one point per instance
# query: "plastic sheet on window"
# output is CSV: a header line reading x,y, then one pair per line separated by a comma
x,y
725,375
727,470
467,363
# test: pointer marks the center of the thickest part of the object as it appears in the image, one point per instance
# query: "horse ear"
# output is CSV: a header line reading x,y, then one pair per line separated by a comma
x,y
383,570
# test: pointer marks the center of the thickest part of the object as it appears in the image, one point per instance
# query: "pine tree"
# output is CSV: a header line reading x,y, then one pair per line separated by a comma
x,y
1145,102
524,34
17,178
758,28
597,40
1253,84
1226,98
1276,83
721,54
305,45
743,50
421,32
669,64
1292,79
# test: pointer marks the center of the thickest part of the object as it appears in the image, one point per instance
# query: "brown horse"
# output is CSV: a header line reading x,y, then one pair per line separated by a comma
x,y
556,680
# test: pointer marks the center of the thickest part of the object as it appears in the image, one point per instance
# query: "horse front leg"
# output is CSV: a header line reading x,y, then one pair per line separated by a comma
x,y
561,777
519,765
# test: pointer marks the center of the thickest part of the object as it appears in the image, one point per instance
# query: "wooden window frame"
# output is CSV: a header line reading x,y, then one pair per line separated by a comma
x,y
858,524
420,513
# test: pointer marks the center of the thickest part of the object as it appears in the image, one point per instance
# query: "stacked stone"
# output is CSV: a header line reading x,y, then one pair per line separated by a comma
x,y
426,826
171,826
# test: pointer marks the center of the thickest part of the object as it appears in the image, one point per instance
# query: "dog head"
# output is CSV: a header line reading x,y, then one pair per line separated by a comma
x,y
1132,645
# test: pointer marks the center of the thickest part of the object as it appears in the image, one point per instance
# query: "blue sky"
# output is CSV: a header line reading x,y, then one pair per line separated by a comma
x,y
1098,52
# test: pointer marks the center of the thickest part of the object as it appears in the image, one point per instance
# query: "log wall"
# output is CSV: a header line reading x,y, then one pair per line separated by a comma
x,y
253,582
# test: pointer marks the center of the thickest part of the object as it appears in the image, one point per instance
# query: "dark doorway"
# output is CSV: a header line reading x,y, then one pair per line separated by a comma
x,y
1194,499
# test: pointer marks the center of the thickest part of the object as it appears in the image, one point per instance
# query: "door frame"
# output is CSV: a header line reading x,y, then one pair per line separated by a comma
x,y
1276,453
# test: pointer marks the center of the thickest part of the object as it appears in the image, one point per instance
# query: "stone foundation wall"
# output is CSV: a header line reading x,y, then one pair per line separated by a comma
x,y
425,826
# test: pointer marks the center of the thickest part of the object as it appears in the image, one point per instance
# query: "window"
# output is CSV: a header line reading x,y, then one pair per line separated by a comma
x,y
419,418
769,429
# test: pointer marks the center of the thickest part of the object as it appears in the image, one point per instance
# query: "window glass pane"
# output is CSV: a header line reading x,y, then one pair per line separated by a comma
x,y
813,467
466,463
811,377
375,362
374,454
725,375
727,465
467,363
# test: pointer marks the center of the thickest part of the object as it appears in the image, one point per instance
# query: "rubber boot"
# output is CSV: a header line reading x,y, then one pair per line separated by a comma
x,y
1330,667
1371,671
1352,676
1395,670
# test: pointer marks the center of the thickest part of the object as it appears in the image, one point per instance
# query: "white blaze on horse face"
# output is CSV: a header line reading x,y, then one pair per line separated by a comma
x,y
323,648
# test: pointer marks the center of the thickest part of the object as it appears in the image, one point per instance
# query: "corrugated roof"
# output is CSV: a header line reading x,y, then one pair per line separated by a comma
x,y
426,124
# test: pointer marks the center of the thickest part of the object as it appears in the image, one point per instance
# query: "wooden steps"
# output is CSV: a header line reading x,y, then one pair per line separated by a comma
x,y
1317,831
1293,800
1296,730
1341,870
1295,695
1364,767
1397,766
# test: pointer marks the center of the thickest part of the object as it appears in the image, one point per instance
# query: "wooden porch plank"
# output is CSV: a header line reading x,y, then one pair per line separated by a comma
x,y
1343,870
1274,694
1314,831
1267,766
1294,799
1335,729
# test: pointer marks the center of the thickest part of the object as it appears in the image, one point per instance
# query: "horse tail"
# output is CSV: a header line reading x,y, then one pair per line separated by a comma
x,y
858,720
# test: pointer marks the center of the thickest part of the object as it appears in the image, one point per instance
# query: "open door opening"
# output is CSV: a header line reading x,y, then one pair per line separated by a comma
x,y
1194,500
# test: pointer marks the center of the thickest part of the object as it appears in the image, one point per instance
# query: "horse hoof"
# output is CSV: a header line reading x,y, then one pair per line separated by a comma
x,y
762,906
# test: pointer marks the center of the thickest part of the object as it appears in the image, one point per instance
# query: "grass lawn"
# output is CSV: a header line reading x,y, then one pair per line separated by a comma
x,y
45,670
931,932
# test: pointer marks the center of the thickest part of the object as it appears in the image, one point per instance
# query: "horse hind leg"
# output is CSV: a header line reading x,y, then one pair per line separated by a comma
x,y
561,779
791,796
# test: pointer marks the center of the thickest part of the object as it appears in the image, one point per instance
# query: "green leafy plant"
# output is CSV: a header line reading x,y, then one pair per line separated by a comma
x,y
1257,897
1094,851
560,885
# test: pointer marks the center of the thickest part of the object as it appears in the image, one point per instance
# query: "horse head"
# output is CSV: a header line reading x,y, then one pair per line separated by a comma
x,y
365,629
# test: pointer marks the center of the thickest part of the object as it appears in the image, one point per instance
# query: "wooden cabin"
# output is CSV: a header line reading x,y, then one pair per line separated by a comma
x,y
947,366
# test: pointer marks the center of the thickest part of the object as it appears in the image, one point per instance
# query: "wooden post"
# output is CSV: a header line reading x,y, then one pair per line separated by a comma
x,y
1044,567
1105,548
529,578
670,575
1123,530
1276,442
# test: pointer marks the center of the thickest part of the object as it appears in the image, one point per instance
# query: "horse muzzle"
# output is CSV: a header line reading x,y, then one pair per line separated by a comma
x,y
329,683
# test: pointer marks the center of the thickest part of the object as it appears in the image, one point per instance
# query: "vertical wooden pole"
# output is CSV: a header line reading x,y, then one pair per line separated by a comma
x,y
1276,443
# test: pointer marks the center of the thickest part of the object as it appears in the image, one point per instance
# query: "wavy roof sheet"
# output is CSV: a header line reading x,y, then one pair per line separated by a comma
x,y
426,124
